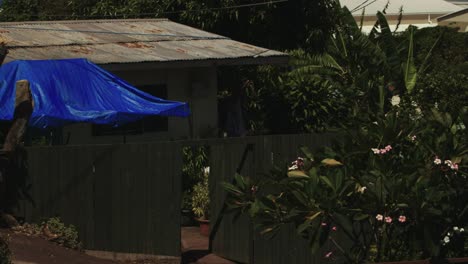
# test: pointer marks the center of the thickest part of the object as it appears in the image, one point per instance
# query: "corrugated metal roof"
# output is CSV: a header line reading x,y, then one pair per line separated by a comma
x,y
410,7
123,41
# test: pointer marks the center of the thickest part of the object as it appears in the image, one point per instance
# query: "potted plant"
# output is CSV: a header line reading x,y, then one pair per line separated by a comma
x,y
201,203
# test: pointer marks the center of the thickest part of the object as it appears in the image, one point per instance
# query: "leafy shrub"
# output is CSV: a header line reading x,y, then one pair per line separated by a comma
x,y
54,230
5,254
195,159
396,187
67,236
201,197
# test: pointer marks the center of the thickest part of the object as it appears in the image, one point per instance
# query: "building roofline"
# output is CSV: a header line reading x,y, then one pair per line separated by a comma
x,y
452,15
92,21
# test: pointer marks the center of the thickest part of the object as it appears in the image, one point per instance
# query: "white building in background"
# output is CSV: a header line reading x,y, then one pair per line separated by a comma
x,y
461,3
419,13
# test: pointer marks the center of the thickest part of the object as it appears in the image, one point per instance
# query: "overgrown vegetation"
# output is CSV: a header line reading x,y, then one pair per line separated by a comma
x,y
201,197
195,160
396,185
54,230
323,89
5,253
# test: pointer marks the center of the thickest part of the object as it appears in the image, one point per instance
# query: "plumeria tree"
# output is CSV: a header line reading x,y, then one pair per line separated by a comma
x,y
395,187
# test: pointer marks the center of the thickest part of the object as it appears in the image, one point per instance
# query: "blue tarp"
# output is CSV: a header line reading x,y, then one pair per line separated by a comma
x,y
76,90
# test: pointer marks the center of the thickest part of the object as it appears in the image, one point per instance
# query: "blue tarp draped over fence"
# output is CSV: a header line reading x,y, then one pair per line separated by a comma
x,y
76,90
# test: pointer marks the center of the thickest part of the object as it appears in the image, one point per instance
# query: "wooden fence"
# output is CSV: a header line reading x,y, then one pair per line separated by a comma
x,y
121,198
127,197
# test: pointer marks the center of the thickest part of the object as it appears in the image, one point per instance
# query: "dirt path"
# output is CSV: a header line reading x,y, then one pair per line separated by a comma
x,y
35,250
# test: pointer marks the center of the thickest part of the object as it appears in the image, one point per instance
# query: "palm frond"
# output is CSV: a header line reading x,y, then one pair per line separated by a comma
x,y
400,17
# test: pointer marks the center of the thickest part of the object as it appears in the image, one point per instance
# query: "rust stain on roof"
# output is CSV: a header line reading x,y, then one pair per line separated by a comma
x,y
82,50
135,45
155,30
124,41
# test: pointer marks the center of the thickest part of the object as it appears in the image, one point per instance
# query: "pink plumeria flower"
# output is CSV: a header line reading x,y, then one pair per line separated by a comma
x,y
254,189
437,161
334,228
324,224
328,254
379,217
383,151
388,219
402,219
454,166
388,148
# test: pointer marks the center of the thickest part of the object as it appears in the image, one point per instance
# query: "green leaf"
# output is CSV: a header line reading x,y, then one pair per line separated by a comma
x,y
255,208
338,180
328,182
231,188
313,216
343,222
424,64
307,153
331,162
389,45
410,73
360,217
304,226
240,181
316,238
297,174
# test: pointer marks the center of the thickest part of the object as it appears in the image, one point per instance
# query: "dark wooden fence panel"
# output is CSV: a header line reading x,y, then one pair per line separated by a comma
x,y
233,239
121,198
287,246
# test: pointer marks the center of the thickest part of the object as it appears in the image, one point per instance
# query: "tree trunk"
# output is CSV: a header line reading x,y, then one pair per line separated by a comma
x,y
11,151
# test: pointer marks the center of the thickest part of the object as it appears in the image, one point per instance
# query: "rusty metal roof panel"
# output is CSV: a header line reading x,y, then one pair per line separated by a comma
x,y
121,41
145,51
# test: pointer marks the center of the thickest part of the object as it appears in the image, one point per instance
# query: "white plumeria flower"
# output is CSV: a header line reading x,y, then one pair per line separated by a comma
x,y
395,100
376,151
206,170
437,161
362,189
448,162
446,239
293,167
462,230
455,228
